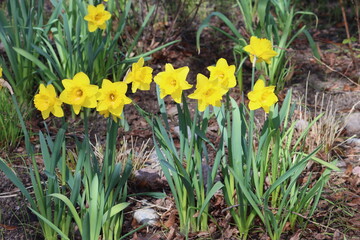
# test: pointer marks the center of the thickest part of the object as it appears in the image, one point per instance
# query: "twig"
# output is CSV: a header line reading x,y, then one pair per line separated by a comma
x,y
149,204
233,206
357,18
330,68
305,217
348,34
345,21
12,193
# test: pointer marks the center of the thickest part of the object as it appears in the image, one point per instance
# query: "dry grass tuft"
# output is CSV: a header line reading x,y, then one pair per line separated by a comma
x,y
325,131
139,154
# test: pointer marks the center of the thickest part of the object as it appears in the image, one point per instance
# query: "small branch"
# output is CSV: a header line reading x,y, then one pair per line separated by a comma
x,y
345,21
307,219
149,204
348,33
357,18
330,68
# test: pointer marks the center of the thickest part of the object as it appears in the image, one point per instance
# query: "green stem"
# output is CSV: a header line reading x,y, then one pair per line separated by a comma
x,y
63,162
108,151
86,123
251,159
251,127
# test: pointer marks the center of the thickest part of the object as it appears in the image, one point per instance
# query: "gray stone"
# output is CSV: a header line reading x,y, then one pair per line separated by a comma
x,y
177,131
146,216
352,124
354,142
301,125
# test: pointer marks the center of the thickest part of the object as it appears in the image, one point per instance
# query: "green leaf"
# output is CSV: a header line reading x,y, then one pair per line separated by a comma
x,y
37,62
71,208
262,11
331,166
247,192
96,207
50,224
150,194
133,231
349,40
113,211
301,164
143,25
16,181
206,23
217,186
313,45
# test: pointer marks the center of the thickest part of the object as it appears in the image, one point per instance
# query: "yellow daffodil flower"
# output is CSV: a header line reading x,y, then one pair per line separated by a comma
x,y
47,102
139,76
172,82
79,92
97,17
261,48
262,96
207,92
112,98
107,114
223,73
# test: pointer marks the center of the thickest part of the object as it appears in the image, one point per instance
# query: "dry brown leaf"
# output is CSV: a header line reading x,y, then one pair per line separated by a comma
x,y
355,221
348,170
171,234
355,89
218,200
296,236
265,237
135,237
332,87
287,227
134,223
337,235
340,180
179,237
229,232
319,236
171,221
356,171
201,235
7,227
346,87
212,228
